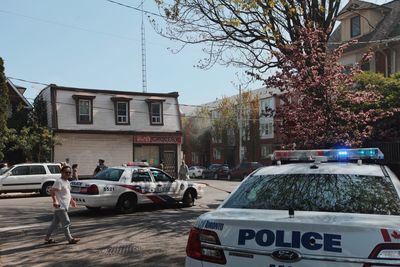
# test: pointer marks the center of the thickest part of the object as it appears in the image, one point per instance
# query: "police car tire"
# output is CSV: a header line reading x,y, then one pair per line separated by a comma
x,y
127,203
45,191
188,199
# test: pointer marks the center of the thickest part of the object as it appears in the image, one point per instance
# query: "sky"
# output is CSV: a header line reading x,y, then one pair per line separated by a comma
x,y
96,44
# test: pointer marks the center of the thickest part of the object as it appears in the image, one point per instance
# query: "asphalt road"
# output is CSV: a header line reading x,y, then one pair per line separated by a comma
x,y
151,236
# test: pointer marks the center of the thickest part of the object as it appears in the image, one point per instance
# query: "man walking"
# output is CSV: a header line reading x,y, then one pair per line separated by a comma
x,y
61,195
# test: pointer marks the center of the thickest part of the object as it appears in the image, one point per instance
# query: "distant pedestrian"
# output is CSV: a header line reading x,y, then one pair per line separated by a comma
x,y
183,171
67,162
61,195
100,166
74,172
161,166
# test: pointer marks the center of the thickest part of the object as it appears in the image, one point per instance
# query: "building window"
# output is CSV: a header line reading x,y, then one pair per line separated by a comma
x,y
266,129
122,112
122,109
156,113
267,106
84,108
216,154
266,151
355,26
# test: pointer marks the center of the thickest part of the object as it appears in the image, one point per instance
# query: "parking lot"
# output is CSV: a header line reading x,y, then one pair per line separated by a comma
x,y
151,236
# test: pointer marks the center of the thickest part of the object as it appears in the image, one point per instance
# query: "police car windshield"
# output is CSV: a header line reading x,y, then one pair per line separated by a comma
x,y
317,192
110,174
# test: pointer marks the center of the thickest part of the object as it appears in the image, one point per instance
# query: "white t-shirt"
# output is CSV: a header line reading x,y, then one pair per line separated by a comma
x,y
63,194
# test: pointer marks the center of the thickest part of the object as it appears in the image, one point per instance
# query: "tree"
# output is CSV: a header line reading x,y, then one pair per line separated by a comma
x,y
388,128
196,129
321,106
34,138
246,33
4,107
250,105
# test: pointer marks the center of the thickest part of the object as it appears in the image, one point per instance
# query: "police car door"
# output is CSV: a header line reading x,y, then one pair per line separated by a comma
x,y
166,186
143,185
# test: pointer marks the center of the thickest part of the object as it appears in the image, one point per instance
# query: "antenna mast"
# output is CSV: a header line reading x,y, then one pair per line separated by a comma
x,y
144,75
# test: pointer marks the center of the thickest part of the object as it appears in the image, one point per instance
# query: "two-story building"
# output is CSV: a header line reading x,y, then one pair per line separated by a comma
x,y
116,126
376,28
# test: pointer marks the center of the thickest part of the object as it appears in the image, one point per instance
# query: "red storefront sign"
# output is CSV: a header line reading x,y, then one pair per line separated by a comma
x,y
162,139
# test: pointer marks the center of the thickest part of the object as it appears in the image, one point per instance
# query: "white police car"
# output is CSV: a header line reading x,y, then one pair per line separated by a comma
x,y
125,187
332,211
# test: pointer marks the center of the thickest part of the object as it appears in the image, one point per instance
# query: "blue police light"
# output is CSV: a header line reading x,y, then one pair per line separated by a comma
x,y
330,154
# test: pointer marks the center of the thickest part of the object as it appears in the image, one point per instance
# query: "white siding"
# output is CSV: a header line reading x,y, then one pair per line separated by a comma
x,y
104,116
86,149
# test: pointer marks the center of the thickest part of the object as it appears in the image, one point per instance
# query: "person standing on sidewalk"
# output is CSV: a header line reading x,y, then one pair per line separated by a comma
x,y
183,171
61,195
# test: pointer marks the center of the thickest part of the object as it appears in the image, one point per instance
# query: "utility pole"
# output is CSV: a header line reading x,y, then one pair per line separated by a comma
x,y
240,125
144,75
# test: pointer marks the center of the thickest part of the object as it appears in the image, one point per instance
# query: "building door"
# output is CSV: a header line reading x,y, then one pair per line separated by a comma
x,y
170,162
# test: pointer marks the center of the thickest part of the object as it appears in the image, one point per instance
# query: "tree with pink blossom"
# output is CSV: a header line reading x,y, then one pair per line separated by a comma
x,y
320,105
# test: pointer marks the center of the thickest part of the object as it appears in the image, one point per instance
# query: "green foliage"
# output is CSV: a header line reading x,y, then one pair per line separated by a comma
x,y
4,106
35,142
388,128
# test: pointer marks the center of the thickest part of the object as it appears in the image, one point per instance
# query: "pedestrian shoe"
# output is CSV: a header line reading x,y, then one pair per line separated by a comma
x,y
74,241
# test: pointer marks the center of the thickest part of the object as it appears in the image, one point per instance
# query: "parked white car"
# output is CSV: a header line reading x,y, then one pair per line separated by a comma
x,y
196,171
29,177
126,187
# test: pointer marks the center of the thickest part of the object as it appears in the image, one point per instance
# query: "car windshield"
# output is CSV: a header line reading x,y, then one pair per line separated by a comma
x,y
4,170
109,174
317,192
214,166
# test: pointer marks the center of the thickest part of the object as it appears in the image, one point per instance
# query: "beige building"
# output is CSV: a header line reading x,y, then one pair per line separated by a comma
x,y
375,27
116,126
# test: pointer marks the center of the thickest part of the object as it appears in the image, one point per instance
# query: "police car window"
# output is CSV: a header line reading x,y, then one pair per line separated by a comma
x,y
317,192
161,177
110,174
141,177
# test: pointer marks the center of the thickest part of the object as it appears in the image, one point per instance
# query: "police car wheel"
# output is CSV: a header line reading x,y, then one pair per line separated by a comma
x,y
126,203
188,199
45,191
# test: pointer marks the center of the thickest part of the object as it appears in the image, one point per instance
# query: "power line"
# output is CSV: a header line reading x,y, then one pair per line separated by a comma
x,y
136,8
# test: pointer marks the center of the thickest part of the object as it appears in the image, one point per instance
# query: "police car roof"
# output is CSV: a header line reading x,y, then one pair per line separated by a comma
x,y
328,168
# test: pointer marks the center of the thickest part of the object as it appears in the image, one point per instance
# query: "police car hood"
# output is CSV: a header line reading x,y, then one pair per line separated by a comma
x,y
343,233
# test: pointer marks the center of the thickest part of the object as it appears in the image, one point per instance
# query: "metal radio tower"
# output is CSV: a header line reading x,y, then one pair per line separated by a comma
x,y
144,75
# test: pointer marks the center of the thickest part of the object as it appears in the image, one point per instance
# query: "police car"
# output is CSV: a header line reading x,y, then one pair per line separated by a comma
x,y
325,208
128,186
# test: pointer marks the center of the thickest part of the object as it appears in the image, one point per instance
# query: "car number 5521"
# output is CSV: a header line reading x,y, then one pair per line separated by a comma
x,y
106,188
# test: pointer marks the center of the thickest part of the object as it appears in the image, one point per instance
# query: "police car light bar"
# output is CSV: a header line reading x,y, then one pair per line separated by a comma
x,y
329,154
